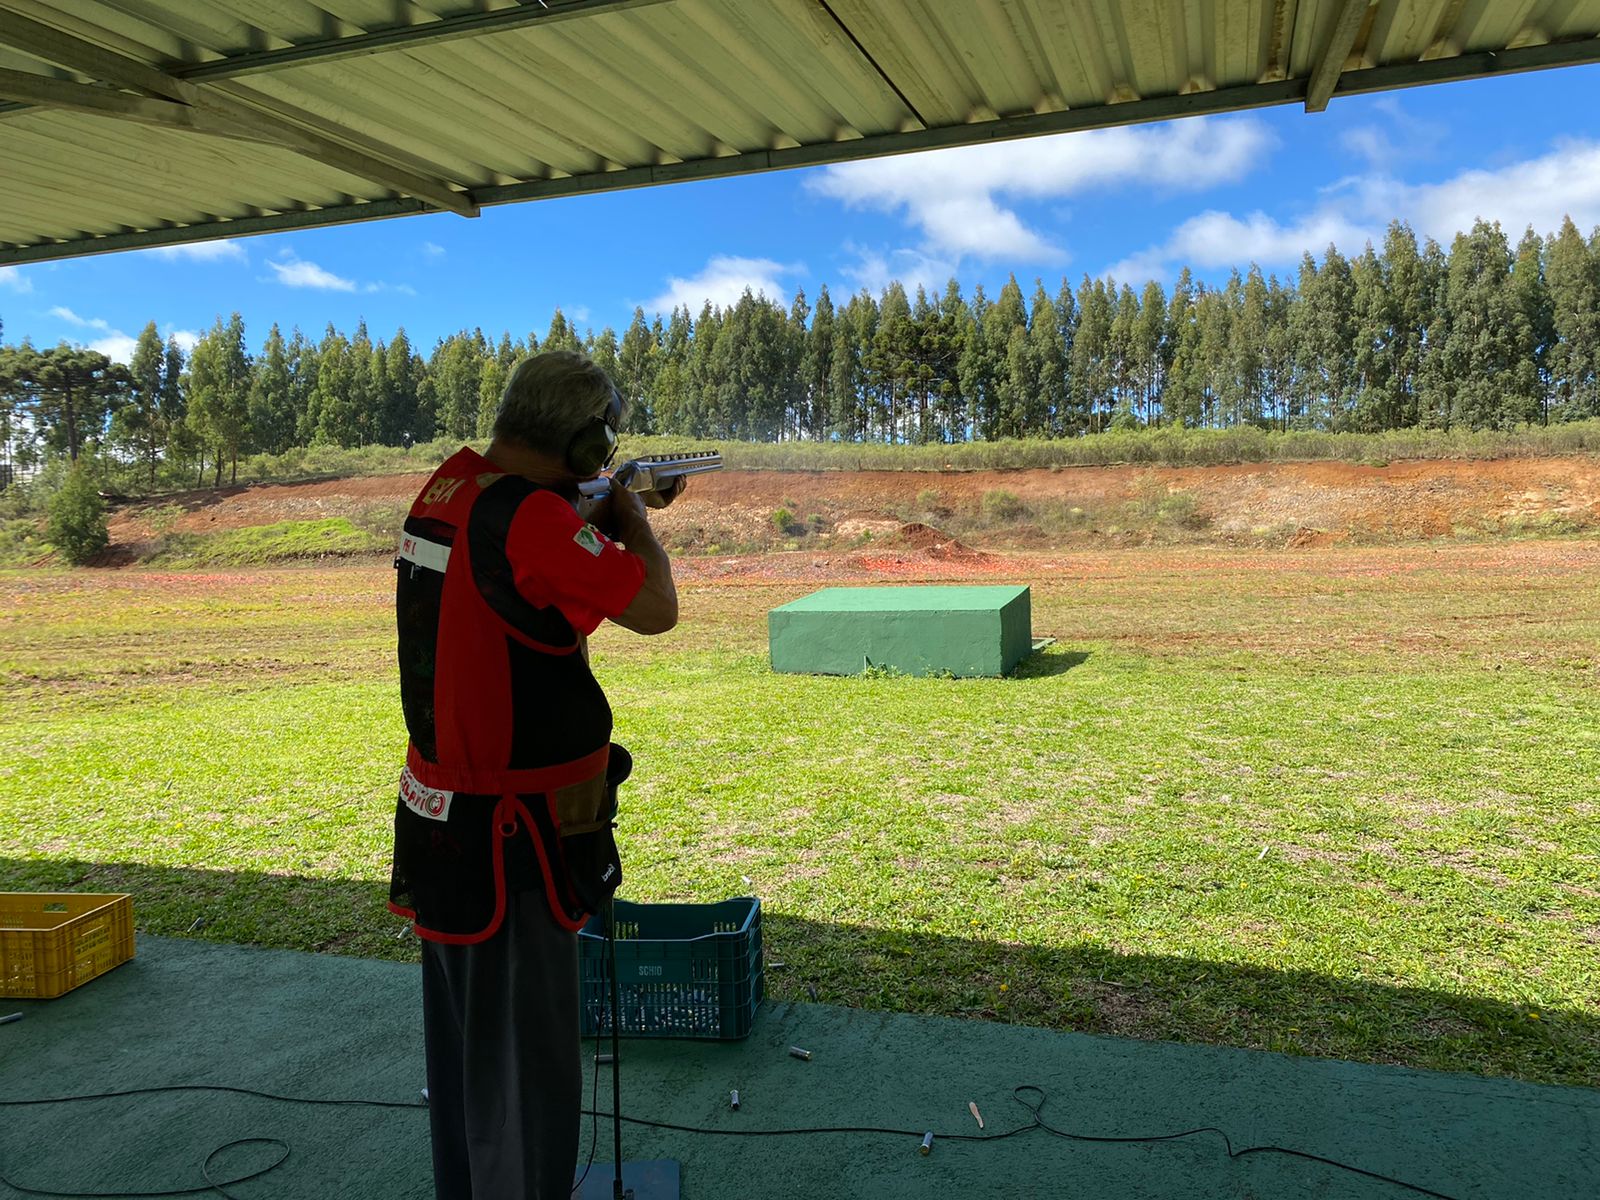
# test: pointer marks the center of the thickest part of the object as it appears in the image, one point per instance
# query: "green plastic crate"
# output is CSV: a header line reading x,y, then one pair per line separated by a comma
x,y
683,970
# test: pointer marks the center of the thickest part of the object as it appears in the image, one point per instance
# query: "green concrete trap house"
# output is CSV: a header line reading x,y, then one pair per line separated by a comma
x,y
964,631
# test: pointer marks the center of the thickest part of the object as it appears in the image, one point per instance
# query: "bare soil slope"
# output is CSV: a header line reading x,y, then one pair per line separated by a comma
x,y
880,519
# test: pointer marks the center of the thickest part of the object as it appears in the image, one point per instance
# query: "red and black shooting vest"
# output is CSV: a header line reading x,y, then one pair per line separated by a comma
x,y
501,708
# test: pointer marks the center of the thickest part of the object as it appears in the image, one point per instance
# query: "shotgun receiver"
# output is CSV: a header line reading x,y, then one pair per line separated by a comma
x,y
651,473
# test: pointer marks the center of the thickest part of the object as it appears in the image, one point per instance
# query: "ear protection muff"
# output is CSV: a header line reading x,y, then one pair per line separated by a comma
x,y
595,444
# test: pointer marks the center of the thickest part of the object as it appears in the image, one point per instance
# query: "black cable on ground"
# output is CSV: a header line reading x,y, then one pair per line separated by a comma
x,y
1020,1094
210,1184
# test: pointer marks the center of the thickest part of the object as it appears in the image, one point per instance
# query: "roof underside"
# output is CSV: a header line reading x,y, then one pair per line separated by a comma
x,y
130,123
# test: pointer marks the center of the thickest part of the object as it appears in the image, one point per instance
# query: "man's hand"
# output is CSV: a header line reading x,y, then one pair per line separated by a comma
x,y
662,497
622,513
655,608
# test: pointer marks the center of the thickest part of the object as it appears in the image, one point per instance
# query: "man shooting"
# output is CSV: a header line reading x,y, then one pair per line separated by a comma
x,y
502,842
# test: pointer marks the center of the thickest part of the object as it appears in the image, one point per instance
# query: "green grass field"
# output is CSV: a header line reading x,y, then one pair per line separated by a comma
x,y
1331,802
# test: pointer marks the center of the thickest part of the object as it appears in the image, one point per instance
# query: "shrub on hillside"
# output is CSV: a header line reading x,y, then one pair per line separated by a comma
x,y
78,518
1002,508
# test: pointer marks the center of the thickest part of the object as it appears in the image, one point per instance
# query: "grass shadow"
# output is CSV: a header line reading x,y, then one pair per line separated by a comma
x,y
1080,986
1042,664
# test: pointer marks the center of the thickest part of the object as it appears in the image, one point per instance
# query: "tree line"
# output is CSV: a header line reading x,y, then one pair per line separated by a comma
x,y
1406,334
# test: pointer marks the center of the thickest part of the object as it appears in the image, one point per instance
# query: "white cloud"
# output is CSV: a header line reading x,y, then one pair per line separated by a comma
x,y
12,279
297,273
186,338
579,313
293,271
405,289
72,318
875,269
221,250
722,281
116,346
955,196
1395,138
432,250
1537,192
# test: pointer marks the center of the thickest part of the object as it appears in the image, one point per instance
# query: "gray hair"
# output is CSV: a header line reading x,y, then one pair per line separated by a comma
x,y
549,398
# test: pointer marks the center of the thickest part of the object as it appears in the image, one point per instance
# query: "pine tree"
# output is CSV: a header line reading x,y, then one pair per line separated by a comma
x,y
181,443
1150,351
1214,320
141,417
1410,310
792,392
975,369
1182,400
1007,399
889,367
1045,407
1528,397
1278,363
302,360
561,335
635,368
271,406
335,396
816,368
946,349
1434,393
1573,275
1124,356
1374,322
456,372
1481,347
491,384
219,393
705,380
1090,372
854,337
77,525
602,350
400,423
672,376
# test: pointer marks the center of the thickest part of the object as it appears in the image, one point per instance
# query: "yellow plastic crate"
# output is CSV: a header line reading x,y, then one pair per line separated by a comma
x,y
50,942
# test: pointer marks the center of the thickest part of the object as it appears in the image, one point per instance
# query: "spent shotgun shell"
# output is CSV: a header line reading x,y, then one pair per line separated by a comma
x,y
734,1099
796,1052
927,1142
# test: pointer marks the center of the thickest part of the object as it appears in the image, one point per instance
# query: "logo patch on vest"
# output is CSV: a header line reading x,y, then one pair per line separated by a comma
x,y
423,800
589,540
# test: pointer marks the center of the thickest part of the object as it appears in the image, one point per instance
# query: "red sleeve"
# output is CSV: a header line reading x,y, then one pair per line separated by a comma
x,y
559,560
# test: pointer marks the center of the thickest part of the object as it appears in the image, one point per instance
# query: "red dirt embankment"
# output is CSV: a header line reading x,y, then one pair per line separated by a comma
x,y
879,518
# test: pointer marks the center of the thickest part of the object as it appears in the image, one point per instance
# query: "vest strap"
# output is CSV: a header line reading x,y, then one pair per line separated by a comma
x,y
488,781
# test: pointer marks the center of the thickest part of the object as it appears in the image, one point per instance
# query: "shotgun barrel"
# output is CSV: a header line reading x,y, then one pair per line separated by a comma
x,y
651,473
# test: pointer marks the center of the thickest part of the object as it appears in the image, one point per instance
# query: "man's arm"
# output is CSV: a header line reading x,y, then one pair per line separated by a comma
x,y
655,608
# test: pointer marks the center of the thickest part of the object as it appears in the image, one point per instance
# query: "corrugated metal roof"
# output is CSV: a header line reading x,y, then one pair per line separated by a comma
x,y
140,122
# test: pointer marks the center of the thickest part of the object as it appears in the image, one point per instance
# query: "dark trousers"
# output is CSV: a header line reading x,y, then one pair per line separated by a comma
x,y
505,1084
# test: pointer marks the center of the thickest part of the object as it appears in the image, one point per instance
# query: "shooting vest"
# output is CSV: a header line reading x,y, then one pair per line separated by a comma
x,y
501,708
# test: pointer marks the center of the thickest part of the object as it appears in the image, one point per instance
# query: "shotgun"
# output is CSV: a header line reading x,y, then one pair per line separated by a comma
x,y
651,473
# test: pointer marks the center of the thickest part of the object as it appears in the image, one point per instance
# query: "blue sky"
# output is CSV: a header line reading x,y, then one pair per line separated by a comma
x,y
1139,202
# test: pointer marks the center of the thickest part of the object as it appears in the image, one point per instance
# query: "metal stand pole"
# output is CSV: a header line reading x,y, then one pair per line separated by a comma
x,y
616,1052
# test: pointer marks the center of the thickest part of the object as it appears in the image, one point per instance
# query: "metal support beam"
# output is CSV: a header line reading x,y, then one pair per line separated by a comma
x,y
52,45
405,37
44,91
1330,64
